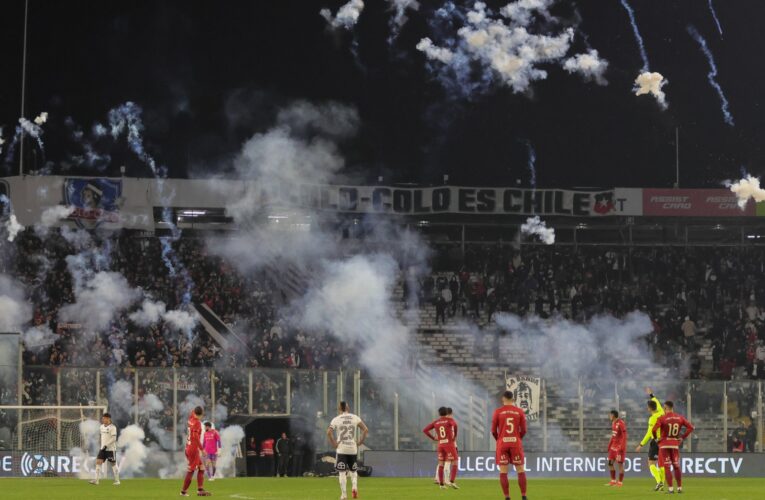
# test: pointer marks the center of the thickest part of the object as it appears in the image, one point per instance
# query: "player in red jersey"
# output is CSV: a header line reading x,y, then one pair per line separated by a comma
x,y
617,448
446,433
508,426
194,451
670,440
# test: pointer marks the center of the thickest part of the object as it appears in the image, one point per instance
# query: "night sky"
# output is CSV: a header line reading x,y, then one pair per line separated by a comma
x,y
209,74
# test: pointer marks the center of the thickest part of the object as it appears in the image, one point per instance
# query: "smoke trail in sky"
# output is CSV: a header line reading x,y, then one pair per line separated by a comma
x,y
638,38
536,226
347,16
712,75
532,163
126,119
31,128
399,18
714,16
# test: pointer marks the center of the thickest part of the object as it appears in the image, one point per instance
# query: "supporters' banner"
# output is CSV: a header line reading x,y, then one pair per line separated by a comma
x,y
693,203
528,391
462,200
95,201
564,465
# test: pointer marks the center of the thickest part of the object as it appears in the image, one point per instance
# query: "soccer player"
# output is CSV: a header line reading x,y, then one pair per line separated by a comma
x,y
617,448
508,426
655,410
446,432
342,435
670,425
108,450
194,451
211,445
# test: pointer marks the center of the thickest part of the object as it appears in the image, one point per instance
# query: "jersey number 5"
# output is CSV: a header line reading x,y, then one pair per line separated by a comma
x,y
509,427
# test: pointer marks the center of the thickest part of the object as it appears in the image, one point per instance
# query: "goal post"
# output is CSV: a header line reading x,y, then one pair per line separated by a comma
x,y
47,428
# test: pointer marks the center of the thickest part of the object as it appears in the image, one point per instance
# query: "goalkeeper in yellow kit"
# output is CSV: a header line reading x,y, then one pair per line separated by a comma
x,y
656,411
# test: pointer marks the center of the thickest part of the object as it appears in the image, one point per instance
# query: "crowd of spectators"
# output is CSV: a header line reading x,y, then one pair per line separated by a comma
x,y
695,296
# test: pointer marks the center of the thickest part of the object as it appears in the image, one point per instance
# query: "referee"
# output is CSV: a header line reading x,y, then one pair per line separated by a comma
x,y
656,411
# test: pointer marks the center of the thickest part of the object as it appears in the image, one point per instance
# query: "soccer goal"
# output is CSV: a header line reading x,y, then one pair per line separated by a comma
x,y
50,428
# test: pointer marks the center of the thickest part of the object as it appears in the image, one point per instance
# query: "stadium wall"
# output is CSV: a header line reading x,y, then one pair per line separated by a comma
x,y
562,465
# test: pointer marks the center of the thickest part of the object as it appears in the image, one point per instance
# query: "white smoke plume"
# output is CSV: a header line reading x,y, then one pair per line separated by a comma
x,y
37,337
651,83
746,189
41,118
589,65
399,19
99,296
568,350
52,215
13,227
90,436
505,47
15,311
347,16
121,399
152,312
133,451
230,439
433,52
538,227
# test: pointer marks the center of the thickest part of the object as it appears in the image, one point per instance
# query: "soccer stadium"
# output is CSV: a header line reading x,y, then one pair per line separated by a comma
x,y
382,249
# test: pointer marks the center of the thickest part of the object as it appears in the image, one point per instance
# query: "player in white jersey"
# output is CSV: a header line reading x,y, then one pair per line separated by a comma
x,y
342,435
108,450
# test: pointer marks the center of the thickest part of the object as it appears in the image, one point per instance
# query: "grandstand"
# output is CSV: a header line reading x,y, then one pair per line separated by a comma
x,y
244,356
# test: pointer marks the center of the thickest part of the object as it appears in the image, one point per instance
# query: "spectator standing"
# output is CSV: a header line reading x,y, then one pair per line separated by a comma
x,y
283,452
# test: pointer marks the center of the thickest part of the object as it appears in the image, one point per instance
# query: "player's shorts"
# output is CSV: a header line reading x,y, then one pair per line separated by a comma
x,y
447,453
106,456
507,455
616,455
212,457
653,450
344,463
193,458
669,456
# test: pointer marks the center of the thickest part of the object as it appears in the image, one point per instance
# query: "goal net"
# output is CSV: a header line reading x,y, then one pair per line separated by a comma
x,y
50,428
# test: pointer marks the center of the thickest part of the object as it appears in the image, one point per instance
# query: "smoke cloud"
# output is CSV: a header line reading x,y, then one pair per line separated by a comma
x,y
651,83
504,46
230,439
13,227
537,227
399,19
347,16
52,215
746,189
152,312
133,450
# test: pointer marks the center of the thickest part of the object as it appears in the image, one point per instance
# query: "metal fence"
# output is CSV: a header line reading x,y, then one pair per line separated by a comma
x,y
573,413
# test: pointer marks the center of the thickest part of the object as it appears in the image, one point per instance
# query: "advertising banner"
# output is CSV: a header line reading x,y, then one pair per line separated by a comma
x,y
567,465
693,203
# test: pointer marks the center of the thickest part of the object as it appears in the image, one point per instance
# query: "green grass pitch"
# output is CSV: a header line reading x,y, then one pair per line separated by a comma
x,y
374,489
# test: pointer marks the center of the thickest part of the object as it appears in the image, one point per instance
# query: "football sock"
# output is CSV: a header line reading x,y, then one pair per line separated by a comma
x,y
187,480
679,476
621,476
441,474
97,472
504,483
613,475
355,480
200,479
452,472
522,483
656,474
668,474
116,471
343,487
215,469
436,476
662,474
